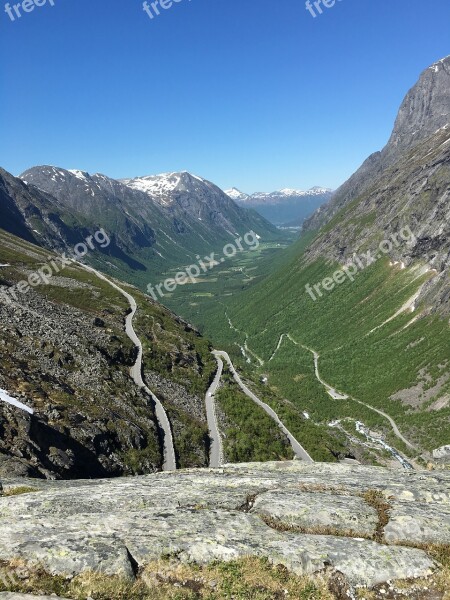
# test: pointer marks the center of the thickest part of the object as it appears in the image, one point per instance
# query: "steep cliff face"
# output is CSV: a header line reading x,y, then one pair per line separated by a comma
x,y
406,185
425,109
411,198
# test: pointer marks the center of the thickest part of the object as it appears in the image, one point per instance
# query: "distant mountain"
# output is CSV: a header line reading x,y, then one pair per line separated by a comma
x,y
285,206
155,223
237,195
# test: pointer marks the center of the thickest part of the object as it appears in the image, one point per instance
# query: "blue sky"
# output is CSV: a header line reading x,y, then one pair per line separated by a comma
x,y
252,93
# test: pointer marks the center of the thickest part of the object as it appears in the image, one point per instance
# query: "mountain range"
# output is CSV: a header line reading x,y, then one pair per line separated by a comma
x,y
155,223
359,359
286,207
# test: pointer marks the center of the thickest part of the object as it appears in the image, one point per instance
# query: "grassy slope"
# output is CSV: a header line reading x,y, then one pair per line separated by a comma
x,y
371,367
250,434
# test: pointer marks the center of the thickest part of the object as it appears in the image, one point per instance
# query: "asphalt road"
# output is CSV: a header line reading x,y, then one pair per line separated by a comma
x,y
216,457
298,449
170,463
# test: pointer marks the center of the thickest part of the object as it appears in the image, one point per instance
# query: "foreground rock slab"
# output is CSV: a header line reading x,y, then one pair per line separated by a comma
x,y
118,526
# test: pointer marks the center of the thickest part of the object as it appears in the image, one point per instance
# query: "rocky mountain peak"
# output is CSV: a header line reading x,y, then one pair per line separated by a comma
x,y
421,121
162,187
425,109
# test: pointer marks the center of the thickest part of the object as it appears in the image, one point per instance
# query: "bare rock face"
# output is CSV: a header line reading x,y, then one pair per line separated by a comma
x,y
404,185
325,511
425,109
279,511
442,453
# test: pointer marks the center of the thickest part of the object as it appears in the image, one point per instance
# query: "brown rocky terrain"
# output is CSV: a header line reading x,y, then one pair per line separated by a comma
x,y
65,354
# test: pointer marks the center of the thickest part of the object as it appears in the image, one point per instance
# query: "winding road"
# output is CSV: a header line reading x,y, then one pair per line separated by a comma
x,y
216,453
298,449
170,463
391,421
339,396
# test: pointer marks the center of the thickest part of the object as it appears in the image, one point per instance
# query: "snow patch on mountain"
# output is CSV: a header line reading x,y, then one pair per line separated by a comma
x,y
161,187
79,174
236,195
277,196
437,65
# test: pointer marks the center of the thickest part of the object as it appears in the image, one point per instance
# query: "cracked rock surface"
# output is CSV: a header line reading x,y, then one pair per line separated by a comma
x,y
117,526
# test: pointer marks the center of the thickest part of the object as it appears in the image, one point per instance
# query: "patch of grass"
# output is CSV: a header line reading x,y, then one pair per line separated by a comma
x,y
17,491
376,499
244,579
282,526
440,553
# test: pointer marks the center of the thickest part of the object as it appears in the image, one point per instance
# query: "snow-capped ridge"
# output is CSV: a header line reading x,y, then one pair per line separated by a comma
x,y
236,194
436,66
83,175
161,187
278,195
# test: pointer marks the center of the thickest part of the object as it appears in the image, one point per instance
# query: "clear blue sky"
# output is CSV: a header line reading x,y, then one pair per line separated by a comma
x,y
252,93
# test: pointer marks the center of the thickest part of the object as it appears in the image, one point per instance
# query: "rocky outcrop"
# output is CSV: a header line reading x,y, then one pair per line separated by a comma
x,y
305,517
425,109
89,418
